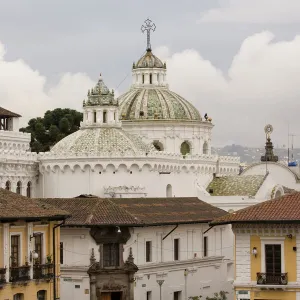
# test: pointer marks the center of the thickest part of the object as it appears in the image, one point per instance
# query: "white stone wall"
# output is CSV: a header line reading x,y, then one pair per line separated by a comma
x,y
192,274
280,173
137,179
243,255
172,134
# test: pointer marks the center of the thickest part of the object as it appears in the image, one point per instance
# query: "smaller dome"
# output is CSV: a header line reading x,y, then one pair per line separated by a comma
x,y
149,60
101,141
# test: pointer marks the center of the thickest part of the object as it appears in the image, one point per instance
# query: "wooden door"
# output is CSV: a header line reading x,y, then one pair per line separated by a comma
x,y
105,296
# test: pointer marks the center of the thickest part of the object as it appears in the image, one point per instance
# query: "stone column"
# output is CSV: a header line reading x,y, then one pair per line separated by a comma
x,y
93,289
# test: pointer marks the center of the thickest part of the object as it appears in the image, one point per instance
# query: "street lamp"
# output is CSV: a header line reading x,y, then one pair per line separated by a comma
x,y
160,282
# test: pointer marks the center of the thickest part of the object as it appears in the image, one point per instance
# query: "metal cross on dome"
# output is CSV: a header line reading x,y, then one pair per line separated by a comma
x,y
148,26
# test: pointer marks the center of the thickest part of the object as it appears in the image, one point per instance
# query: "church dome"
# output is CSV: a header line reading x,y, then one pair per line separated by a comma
x,y
149,60
101,141
149,103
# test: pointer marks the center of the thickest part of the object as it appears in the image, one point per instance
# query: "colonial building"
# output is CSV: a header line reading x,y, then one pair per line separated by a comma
x,y
267,242
146,248
27,265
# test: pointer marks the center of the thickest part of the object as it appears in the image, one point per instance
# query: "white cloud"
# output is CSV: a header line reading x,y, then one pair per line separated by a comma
x,y
261,86
23,90
254,11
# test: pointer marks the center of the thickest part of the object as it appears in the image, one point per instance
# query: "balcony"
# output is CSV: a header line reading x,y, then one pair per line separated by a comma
x,y
2,275
43,271
272,279
19,274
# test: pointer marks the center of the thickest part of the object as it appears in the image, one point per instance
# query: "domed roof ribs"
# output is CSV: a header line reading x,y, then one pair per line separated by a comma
x,y
164,105
169,105
187,112
139,104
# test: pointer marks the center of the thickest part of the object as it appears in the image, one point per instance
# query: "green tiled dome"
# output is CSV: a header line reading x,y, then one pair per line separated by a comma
x,y
156,103
97,141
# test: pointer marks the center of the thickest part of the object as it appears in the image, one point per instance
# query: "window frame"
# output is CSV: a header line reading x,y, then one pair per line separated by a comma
x,y
111,258
19,262
148,257
178,247
205,246
61,253
271,241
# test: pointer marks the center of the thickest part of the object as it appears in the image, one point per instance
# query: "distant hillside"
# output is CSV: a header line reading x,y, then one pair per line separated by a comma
x,y
250,155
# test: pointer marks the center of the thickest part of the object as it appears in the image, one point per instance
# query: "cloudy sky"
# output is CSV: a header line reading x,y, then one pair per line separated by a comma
x,y
237,60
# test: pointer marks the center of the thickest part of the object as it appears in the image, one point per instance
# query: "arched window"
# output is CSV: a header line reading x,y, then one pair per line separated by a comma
x,y
41,295
115,116
95,117
19,187
278,194
28,190
104,117
143,76
157,77
169,190
205,148
158,146
18,296
150,78
185,148
7,185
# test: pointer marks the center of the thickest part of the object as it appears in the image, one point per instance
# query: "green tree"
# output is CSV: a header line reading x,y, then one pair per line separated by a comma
x,y
54,126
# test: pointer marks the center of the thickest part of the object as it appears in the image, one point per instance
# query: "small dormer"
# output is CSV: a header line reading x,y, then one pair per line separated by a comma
x,y
9,121
100,109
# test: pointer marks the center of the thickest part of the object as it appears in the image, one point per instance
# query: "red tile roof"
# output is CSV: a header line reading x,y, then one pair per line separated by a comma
x,y
177,210
6,113
92,211
14,206
136,211
281,210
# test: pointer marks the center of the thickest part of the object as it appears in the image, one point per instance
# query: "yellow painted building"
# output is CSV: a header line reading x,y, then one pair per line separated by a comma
x,y
27,227
267,249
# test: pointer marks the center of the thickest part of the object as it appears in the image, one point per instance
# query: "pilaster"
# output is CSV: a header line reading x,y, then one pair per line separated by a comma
x,y
6,249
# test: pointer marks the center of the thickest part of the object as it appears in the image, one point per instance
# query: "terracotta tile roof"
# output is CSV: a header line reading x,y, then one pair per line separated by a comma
x,y
14,206
284,209
6,113
247,185
154,211
91,211
136,211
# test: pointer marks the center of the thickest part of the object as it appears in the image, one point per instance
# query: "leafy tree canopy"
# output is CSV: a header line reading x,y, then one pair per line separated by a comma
x,y
54,126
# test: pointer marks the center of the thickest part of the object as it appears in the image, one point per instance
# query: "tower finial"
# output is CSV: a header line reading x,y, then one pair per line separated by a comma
x,y
148,26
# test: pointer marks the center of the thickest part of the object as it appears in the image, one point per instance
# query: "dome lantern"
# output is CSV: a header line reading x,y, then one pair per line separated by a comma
x,y
101,108
149,70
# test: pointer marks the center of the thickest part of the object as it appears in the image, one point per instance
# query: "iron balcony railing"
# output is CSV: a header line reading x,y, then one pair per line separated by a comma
x,y
43,271
19,274
2,275
272,278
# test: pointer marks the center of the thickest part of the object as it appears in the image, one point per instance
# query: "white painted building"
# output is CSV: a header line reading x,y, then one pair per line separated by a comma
x,y
191,259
